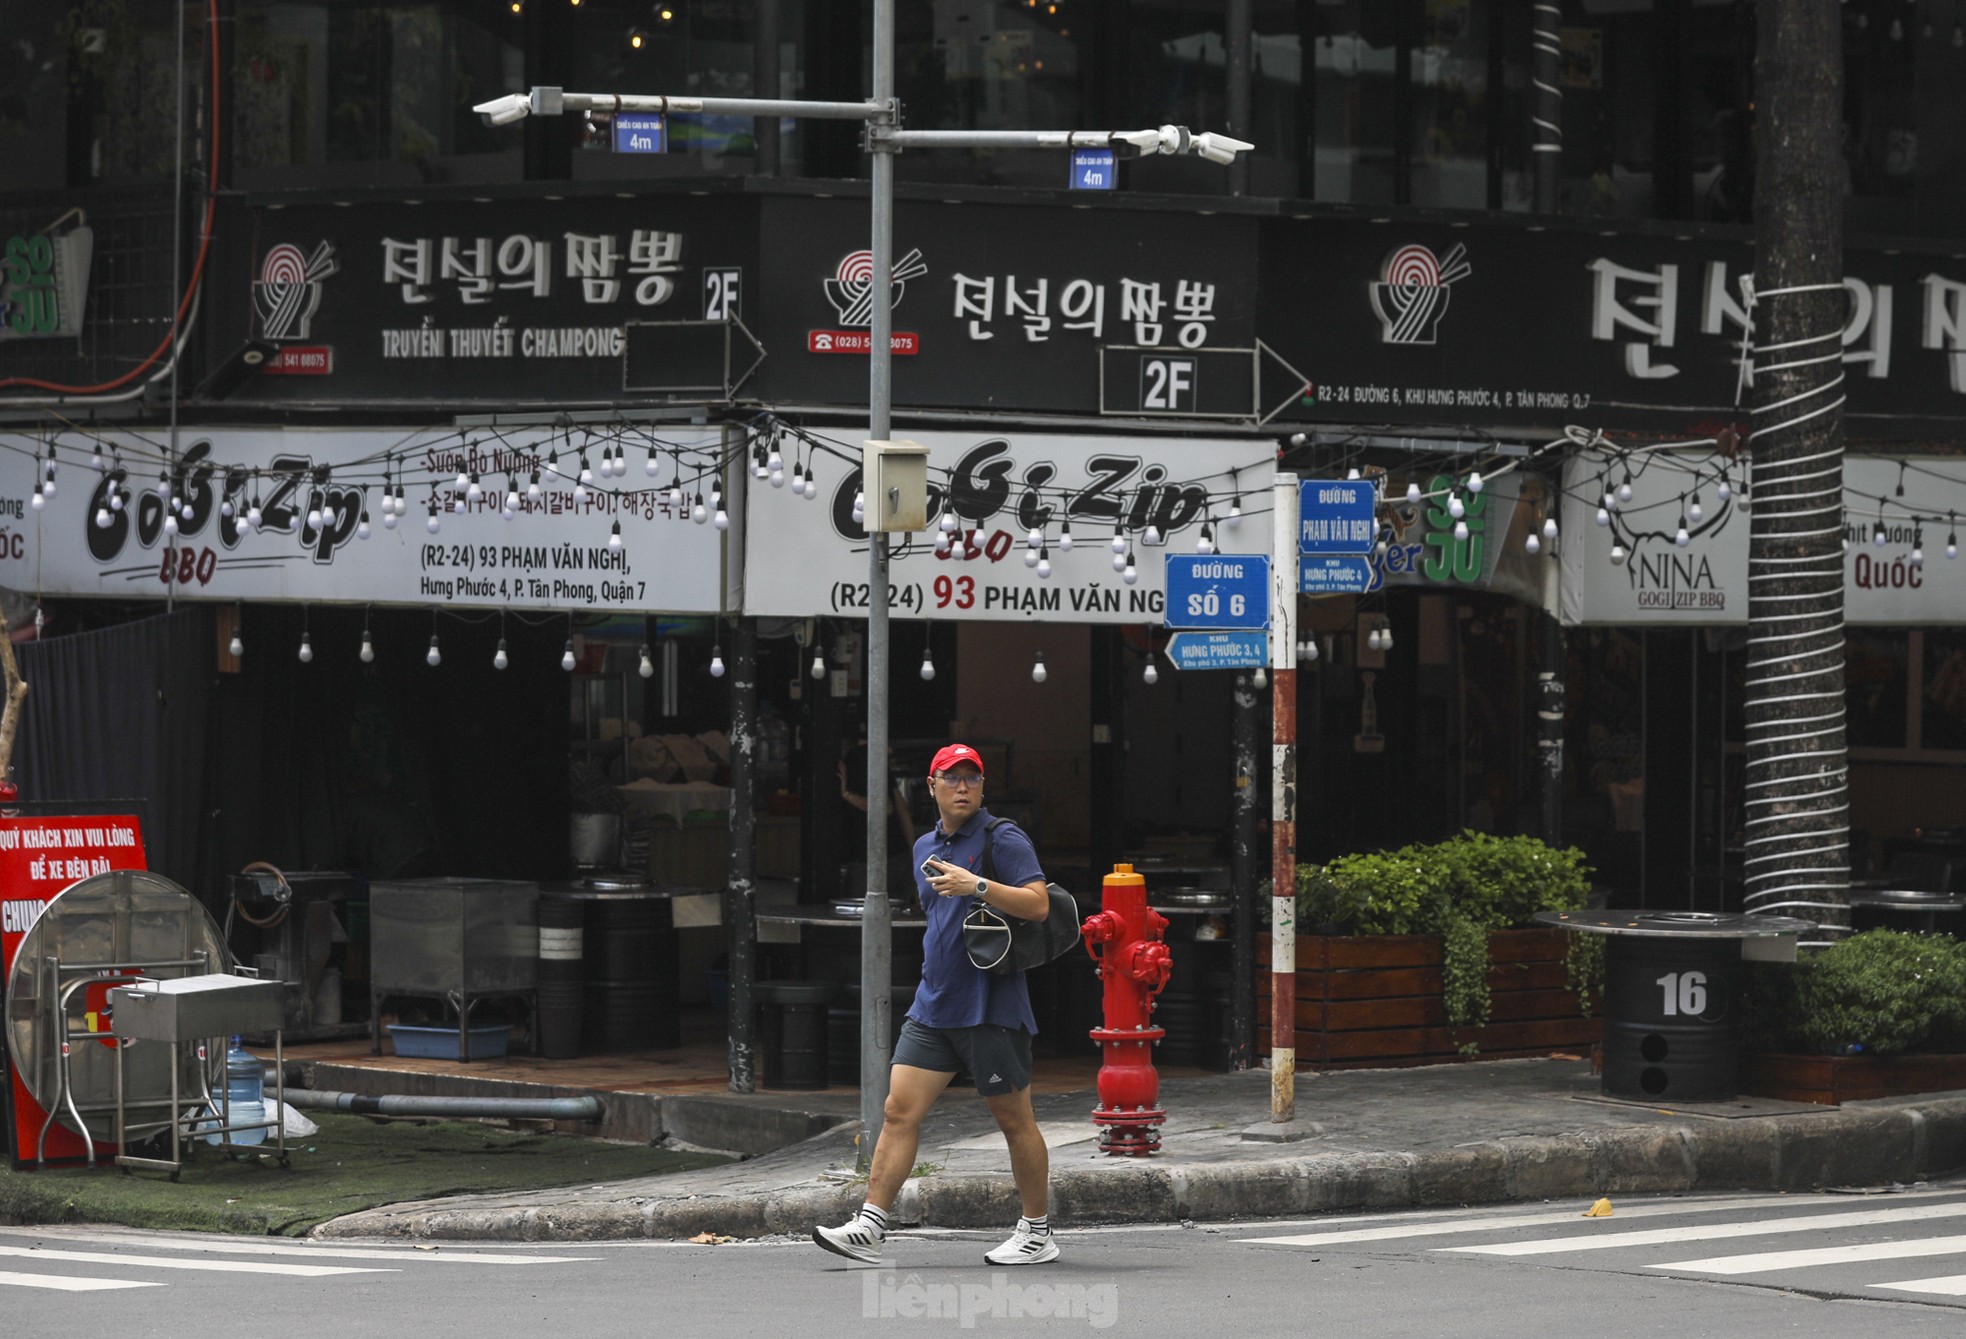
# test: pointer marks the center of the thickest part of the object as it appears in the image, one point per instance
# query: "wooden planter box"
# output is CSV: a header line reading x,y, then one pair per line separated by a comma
x,y
1835,1079
1373,1001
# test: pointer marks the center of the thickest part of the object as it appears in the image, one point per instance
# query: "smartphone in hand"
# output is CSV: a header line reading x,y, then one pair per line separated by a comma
x,y
928,868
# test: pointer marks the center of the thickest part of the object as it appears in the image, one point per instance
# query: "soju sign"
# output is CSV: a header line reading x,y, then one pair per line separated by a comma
x,y
43,283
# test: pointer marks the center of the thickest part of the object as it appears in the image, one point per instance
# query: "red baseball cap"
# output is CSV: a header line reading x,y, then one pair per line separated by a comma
x,y
951,754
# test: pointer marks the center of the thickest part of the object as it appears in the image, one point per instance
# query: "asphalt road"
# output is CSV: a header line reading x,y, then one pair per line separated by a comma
x,y
1890,1263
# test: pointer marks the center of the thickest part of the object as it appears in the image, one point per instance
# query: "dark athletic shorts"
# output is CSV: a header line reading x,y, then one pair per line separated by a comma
x,y
999,1057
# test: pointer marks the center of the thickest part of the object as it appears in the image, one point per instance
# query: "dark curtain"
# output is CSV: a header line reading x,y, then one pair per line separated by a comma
x,y
121,713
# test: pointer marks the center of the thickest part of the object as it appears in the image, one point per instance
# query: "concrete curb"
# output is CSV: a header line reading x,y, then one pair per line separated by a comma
x,y
1879,1144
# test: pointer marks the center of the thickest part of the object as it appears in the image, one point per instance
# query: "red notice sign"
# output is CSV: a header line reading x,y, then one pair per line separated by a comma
x,y
301,360
39,857
903,342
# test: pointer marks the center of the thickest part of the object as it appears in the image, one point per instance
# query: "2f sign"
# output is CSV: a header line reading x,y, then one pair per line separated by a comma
x,y
722,289
1167,385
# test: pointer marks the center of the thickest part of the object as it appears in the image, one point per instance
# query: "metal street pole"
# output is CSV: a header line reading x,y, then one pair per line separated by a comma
x,y
1283,799
876,933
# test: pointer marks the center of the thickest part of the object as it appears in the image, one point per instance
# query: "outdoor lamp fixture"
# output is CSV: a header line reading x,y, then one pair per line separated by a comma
x,y
567,661
716,662
928,664
499,659
1038,673
1150,675
647,666
818,670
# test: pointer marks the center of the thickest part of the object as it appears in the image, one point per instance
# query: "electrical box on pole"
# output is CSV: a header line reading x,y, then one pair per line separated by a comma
x,y
894,486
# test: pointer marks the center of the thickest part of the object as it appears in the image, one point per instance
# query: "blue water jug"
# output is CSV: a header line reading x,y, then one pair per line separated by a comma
x,y
246,1093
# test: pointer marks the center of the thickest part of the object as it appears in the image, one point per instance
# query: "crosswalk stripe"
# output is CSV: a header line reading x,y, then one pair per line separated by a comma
x,y
63,1283
1716,1231
1946,1285
167,1262
255,1246
1767,1262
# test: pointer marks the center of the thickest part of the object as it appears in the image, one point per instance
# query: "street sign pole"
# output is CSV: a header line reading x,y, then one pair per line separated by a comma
x,y
1283,798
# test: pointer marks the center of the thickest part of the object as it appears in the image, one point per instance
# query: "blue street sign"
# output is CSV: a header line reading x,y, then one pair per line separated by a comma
x,y
1220,590
1218,650
1337,516
640,132
1094,170
1334,576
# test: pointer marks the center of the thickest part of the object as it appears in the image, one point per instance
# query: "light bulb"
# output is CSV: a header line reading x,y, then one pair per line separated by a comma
x,y
818,670
778,478
433,657
859,507
103,518
306,649
225,508
614,537
1259,680
1033,537
163,485
648,466
647,666
474,492
798,481
716,663
36,501
775,461
1038,673
586,474
607,465
1533,544
1455,507
1065,538
313,518
1918,553
1412,494
1682,538
1205,544
675,497
721,520
116,500
236,647
1617,554
1119,562
1352,475
389,520
1625,491
433,525
1952,548
812,486
1372,640
1549,527
48,485
512,496
1460,529
1475,482
1030,557
1119,540
1725,491
948,522
1386,638
1694,511
1603,516
1307,651
698,512
362,527
579,495
941,546
928,665
1044,563
566,657
1877,536
1235,511
1611,501
1150,675
1153,534
170,525
1130,573
499,659
532,487
368,648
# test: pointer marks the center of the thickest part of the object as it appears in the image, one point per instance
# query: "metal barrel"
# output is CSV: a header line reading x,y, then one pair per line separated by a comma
x,y
561,986
1672,1018
793,1034
843,1031
631,990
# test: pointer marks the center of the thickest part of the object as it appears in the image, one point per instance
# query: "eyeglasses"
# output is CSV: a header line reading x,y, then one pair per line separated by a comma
x,y
963,782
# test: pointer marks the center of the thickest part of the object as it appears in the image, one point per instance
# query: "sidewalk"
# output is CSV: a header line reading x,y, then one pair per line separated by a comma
x,y
1364,1139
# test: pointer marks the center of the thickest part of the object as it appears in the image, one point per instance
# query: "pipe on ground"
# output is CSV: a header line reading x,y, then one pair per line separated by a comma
x,y
509,1108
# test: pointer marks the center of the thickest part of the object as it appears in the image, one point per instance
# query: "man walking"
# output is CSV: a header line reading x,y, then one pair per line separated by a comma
x,y
963,1017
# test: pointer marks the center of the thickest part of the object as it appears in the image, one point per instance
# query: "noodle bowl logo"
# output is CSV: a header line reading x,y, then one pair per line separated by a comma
x,y
851,289
1412,293
288,289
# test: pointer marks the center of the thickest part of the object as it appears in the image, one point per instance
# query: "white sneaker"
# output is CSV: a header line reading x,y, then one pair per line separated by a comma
x,y
854,1239
1025,1247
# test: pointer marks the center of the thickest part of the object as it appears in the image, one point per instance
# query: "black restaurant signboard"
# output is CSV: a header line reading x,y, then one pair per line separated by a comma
x,y
1122,309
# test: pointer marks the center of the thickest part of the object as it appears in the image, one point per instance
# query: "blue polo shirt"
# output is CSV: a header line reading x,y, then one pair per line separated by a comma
x,y
954,992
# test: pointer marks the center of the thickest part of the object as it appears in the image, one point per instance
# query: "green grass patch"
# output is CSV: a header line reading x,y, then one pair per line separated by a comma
x,y
353,1163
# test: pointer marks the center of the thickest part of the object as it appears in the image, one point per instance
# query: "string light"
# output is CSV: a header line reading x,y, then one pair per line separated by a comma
x,y
1617,554
567,661
614,537
1030,557
1065,535
1475,482
1038,672
1119,538
1044,563
1455,507
1151,674
716,662
362,526
646,665
1460,530
433,525
698,512
649,465
367,653
306,648
1152,536
947,525
859,507
1549,528
1130,574
818,670
928,664
499,659
1693,510
1258,679
433,657
1532,543
1413,494
1206,544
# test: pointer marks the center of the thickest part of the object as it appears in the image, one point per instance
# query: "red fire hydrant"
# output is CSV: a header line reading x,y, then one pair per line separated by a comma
x,y
1125,940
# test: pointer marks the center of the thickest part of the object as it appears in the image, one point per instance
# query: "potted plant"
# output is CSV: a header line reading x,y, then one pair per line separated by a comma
x,y
1414,952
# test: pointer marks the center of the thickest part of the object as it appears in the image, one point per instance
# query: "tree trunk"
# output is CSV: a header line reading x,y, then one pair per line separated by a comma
x,y
1797,783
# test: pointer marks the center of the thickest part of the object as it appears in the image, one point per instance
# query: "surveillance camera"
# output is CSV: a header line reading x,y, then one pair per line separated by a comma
x,y
504,111
1134,143
1218,148
1174,139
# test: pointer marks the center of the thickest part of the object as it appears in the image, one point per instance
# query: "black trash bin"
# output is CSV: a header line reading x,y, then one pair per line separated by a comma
x,y
561,985
792,1038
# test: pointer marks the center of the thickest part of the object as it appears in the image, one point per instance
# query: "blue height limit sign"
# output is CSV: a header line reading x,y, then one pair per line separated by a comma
x,y
1094,170
641,132
1337,516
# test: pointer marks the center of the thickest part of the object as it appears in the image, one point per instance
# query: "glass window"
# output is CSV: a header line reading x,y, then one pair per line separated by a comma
x,y
337,95
34,100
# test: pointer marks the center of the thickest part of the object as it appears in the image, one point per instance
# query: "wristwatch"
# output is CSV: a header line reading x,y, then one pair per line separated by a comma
x,y
982,887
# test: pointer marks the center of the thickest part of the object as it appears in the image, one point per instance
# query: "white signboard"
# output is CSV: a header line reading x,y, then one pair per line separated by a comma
x,y
808,556
1661,583
312,489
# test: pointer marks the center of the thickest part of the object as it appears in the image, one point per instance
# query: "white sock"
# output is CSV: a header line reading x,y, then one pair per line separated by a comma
x,y
875,1218
1039,1226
